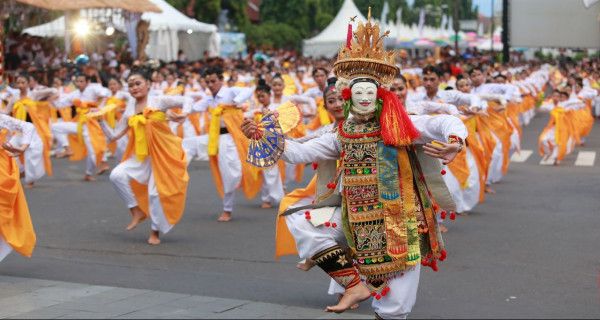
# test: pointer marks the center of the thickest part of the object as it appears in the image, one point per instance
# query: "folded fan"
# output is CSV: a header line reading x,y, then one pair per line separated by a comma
x,y
288,115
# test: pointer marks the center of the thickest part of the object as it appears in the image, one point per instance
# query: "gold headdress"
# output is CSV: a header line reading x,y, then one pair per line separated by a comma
x,y
366,56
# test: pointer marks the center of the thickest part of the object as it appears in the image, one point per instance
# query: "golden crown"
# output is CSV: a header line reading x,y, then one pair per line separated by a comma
x,y
366,56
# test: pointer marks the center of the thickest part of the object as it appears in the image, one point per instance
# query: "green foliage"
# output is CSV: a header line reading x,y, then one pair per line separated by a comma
x,y
205,10
273,35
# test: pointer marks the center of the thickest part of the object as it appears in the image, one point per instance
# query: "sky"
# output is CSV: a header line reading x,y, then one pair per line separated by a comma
x,y
485,6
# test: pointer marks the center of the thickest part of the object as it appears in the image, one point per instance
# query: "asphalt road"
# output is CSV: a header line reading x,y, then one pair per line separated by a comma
x,y
531,250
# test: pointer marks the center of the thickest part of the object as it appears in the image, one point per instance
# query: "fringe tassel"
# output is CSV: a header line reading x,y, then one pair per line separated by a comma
x,y
396,127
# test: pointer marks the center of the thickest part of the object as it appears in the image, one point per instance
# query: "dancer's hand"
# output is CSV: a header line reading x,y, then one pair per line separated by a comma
x,y
445,151
249,128
176,117
14,151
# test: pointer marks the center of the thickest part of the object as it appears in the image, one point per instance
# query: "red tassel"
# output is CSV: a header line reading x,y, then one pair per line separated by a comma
x,y
331,185
373,294
443,172
443,214
334,225
315,165
396,127
327,224
443,255
435,207
378,296
452,215
434,265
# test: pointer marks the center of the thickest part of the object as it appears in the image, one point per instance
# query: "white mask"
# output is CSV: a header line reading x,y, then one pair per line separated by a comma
x,y
364,97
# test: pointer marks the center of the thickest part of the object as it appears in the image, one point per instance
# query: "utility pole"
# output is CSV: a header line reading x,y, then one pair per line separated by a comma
x,y
456,26
505,32
492,31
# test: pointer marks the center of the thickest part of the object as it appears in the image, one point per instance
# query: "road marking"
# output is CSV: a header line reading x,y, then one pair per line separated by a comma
x,y
521,156
585,159
547,162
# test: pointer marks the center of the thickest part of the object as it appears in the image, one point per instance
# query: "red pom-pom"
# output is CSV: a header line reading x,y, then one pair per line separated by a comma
x,y
307,217
327,224
443,214
424,262
383,293
434,266
334,225
443,255
331,185
315,165
436,207
307,213
452,215
378,296
380,93
346,93
373,294
443,172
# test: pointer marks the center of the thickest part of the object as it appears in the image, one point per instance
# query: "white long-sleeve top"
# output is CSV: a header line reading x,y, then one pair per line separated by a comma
x,y
429,107
11,124
328,147
226,96
453,97
92,93
35,95
160,102
496,88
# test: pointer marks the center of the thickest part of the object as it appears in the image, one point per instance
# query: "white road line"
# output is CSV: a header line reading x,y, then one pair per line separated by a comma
x,y
585,158
547,162
522,156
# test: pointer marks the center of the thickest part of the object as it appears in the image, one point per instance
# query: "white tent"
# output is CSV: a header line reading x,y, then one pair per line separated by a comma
x,y
170,31
328,42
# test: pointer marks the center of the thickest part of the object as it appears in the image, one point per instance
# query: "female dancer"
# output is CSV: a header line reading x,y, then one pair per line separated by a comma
x,y
153,178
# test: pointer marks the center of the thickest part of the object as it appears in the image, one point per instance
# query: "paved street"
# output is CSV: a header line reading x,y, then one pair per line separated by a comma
x,y
529,251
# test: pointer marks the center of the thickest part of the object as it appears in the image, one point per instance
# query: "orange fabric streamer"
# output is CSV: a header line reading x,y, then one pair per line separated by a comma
x,y
251,179
96,135
502,129
15,222
478,152
284,241
169,168
460,169
39,113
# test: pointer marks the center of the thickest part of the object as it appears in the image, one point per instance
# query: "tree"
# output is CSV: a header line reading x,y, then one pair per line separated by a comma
x,y
205,10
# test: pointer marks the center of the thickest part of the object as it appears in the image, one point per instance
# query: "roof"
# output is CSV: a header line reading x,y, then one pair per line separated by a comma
x,y
130,5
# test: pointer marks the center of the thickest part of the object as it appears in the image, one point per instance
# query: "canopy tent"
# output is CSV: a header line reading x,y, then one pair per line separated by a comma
x,y
329,41
64,5
170,30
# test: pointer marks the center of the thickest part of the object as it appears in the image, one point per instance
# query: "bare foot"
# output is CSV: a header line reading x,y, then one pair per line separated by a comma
x,y
225,217
442,228
489,190
64,154
104,167
266,205
88,178
305,264
137,216
352,296
154,240
353,307
29,185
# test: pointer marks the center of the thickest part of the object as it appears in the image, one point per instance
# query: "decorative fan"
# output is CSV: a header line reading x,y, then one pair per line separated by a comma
x,y
289,116
268,145
103,111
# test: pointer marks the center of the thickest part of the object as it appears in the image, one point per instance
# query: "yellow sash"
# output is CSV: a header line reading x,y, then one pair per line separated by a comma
x,y
138,124
214,129
20,108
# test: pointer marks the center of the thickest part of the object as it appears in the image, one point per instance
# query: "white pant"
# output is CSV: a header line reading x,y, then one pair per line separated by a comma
x,y
188,128
34,158
495,170
141,172
467,198
5,248
272,187
311,240
229,163
66,128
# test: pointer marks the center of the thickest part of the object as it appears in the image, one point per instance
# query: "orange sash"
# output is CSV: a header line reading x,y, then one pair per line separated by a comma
x,y
15,222
499,124
478,152
39,113
96,134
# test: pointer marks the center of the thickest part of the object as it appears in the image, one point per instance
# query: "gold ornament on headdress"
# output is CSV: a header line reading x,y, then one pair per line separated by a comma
x,y
366,57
